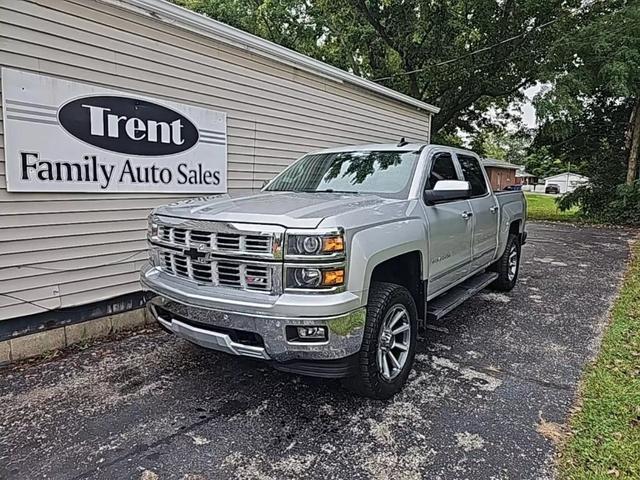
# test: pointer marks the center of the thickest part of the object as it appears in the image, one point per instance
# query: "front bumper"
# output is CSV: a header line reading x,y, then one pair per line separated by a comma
x,y
225,330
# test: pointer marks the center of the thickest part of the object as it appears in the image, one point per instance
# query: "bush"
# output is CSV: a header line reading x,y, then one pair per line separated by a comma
x,y
605,204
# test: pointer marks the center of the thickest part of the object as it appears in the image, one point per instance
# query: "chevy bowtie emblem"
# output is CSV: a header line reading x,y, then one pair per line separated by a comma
x,y
197,255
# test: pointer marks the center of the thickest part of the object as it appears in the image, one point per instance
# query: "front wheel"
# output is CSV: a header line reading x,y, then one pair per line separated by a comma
x,y
389,342
508,266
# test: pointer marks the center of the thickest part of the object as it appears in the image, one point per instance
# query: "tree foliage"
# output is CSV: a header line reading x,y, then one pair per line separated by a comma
x,y
596,74
473,58
596,141
465,56
502,144
591,113
542,163
600,58
510,38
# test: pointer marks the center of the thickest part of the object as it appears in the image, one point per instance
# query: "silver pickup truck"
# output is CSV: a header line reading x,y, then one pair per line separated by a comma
x,y
334,266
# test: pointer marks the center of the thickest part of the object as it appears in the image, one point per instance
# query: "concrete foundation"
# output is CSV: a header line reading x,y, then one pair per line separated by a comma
x,y
39,343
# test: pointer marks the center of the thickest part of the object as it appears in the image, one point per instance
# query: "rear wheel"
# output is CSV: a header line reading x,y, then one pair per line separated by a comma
x,y
508,266
389,342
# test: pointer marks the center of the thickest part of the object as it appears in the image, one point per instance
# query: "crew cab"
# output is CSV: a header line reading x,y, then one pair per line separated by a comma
x,y
331,269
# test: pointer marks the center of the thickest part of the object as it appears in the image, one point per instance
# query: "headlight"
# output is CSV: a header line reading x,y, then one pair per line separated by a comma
x,y
152,227
315,278
325,245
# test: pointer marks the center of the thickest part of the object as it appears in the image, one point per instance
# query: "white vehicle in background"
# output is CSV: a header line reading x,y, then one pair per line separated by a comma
x,y
332,267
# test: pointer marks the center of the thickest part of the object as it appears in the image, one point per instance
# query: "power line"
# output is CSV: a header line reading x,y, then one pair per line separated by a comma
x,y
466,55
23,301
108,264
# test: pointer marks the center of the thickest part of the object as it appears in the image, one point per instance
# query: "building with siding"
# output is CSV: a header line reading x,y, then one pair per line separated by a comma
x,y
566,181
525,178
66,257
501,174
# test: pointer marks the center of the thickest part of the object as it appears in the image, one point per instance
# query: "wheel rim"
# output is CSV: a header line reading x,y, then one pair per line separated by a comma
x,y
393,342
513,263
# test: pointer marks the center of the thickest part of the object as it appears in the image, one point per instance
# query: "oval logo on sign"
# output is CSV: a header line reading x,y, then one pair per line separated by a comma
x,y
128,125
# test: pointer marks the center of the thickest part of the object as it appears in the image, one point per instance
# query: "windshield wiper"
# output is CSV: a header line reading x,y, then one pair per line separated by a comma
x,y
328,190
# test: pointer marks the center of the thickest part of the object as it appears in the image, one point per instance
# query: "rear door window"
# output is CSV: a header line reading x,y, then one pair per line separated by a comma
x,y
473,174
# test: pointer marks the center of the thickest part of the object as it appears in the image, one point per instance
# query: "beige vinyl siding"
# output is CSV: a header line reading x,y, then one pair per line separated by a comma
x,y
61,249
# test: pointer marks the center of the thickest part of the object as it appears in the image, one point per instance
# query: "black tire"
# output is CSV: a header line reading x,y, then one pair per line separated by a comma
x,y
370,382
506,279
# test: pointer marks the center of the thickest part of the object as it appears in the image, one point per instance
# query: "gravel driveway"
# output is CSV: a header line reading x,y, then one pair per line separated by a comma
x,y
488,385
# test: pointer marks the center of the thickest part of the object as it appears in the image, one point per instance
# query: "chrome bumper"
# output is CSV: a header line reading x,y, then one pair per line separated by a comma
x,y
211,339
210,328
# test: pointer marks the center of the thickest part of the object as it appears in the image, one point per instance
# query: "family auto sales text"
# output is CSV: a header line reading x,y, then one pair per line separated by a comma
x,y
92,170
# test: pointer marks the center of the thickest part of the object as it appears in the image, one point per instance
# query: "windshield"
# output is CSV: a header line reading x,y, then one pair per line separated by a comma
x,y
381,172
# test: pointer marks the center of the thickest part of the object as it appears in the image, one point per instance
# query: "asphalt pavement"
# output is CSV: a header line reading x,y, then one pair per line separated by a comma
x,y
490,384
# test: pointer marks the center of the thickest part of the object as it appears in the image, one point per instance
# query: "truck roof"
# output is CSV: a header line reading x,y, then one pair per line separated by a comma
x,y
409,147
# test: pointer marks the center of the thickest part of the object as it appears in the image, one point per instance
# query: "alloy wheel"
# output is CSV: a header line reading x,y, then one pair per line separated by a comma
x,y
393,342
513,263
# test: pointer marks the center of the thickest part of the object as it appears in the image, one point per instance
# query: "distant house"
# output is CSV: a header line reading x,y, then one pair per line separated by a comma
x,y
567,181
501,174
525,178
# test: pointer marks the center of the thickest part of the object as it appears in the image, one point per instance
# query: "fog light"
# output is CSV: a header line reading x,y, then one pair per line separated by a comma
x,y
312,333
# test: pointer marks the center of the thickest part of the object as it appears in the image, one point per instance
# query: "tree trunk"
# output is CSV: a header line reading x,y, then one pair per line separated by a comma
x,y
634,137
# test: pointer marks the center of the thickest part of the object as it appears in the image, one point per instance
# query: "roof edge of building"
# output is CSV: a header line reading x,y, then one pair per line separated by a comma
x,y
492,162
172,14
564,174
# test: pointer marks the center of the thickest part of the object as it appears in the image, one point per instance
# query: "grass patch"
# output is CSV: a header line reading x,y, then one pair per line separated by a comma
x,y
543,207
605,438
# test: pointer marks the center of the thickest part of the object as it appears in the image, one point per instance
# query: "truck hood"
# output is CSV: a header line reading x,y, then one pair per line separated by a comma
x,y
288,209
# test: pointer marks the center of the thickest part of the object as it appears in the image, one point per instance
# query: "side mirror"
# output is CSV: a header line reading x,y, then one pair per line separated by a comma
x,y
446,191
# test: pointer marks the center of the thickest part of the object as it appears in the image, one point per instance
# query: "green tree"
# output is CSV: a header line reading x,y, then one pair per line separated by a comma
x,y
502,144
465,56
596,73
317,28
595,142
591,113
542,163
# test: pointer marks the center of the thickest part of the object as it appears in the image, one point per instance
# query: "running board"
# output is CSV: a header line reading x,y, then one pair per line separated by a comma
x,y
442,305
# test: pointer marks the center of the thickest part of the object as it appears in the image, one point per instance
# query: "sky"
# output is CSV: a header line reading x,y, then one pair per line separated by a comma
x,y
528,111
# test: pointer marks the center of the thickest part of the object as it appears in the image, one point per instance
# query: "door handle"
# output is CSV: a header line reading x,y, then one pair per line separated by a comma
x,y
467,215
493,209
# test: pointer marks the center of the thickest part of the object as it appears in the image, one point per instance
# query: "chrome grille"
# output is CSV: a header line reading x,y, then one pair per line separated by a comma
x,y
227,273
216,241
199,237
257,243
228,241
220,254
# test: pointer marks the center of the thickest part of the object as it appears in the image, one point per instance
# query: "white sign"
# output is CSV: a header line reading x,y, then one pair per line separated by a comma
x,y
64,136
